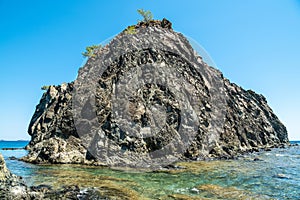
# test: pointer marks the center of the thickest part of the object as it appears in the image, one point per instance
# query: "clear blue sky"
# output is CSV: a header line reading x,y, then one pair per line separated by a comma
x,y
255,43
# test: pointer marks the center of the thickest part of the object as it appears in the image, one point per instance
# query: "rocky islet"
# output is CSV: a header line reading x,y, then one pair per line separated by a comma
x,y
229,120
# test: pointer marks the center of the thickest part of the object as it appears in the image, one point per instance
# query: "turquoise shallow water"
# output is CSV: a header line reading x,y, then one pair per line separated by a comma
x,y
275,175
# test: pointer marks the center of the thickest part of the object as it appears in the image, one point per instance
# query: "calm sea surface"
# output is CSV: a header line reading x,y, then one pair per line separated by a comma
x,y
274,175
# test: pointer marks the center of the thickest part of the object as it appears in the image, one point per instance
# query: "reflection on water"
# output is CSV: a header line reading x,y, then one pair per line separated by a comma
x,y
273,175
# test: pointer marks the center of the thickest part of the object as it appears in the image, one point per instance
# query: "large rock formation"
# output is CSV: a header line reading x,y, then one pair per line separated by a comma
x,y
104,114
53,134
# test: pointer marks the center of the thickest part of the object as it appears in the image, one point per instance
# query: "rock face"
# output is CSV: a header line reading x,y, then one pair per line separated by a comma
x,y
104,115
54,137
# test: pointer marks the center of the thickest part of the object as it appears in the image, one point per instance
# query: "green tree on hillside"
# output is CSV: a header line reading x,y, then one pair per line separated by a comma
x,y
90,51
146,14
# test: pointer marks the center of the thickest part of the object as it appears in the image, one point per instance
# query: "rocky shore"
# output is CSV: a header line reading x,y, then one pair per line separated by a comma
x,y
229,120
13,187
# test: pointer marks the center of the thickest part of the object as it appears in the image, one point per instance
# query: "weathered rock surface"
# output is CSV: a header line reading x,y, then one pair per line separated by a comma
x,y
53,135
225,120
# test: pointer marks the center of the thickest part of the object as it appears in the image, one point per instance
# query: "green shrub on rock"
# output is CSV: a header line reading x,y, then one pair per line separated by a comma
x,y
45,87
146,14
90,51
130,30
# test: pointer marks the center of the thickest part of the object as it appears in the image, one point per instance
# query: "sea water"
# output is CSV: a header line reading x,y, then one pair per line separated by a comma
x,y
264,175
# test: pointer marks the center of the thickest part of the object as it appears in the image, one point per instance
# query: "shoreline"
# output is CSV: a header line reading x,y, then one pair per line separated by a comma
x,y
12,148
197,178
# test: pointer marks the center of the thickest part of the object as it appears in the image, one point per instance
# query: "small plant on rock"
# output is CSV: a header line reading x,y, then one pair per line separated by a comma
x,y
90,51
45,87
130,30
146,14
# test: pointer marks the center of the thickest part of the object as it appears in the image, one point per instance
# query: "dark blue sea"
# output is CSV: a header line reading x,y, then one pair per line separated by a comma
x,y
264,175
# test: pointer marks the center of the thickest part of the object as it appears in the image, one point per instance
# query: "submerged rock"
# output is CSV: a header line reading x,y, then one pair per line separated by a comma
x,y
182,197
228,192
282,176
84,122
12,158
